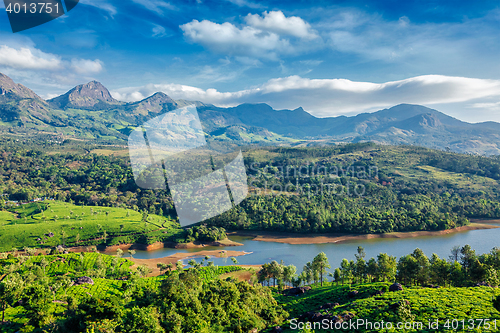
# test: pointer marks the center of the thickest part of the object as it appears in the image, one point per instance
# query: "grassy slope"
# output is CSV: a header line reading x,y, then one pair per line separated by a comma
x,y
87,222
425,304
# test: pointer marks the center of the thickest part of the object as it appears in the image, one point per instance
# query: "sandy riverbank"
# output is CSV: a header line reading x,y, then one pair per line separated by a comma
x,y
291,238
172,259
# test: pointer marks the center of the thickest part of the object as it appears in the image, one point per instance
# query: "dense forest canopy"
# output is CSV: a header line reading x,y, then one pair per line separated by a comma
x,y
360,188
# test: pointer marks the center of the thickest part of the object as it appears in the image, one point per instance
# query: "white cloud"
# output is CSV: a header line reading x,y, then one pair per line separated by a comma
x,y
228,39
277,22
245,3
84,66
156,6
44,71
159,31
420,47
264,37
49,96
332,97
101,4
28,58
489,106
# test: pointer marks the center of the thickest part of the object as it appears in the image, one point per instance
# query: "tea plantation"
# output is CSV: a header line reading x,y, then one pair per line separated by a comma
x,y
456,309
52,223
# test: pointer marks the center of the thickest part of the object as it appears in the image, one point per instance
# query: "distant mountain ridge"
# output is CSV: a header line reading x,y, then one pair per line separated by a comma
x,y
72,114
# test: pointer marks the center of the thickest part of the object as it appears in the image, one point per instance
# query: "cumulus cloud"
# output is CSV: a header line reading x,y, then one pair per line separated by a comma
x,y
28,58
332,97
84,66
229,39
264,37
277,22
31,60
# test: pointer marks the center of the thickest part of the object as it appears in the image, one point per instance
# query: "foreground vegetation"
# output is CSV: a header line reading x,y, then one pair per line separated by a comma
x,y
461,287
46,293
42,293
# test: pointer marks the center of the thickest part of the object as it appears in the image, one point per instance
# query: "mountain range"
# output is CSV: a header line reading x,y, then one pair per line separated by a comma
x,y
88,111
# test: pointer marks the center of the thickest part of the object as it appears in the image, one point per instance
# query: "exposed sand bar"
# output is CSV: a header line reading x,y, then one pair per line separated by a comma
x,y
172,259
292,238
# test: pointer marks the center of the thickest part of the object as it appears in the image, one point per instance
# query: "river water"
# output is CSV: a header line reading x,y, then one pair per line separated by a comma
x,y
261,252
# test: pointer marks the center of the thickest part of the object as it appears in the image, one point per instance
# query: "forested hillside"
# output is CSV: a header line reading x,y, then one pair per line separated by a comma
x,y
361,188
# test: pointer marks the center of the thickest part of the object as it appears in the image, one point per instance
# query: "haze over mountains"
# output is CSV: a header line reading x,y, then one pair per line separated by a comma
x,y
89,111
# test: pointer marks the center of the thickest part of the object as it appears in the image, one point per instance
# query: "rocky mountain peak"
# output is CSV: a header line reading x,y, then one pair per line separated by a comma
x,y
15,91
85,95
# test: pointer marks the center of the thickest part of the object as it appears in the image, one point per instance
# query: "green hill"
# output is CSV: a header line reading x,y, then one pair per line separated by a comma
x,y
51,223
455,309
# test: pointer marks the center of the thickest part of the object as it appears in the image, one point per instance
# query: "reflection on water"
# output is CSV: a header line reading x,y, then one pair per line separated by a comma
x,y
480,240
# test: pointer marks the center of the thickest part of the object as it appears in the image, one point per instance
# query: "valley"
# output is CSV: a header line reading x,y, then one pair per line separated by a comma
x,y
84,249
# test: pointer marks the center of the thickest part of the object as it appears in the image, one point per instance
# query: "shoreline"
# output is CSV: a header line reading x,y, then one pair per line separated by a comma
x,y
297,239
156,246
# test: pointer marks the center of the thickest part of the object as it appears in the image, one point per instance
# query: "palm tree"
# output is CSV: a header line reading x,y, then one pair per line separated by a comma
x,y
131,252
233,259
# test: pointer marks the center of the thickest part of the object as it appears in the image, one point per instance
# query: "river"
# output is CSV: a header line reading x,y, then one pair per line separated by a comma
x,y
482,240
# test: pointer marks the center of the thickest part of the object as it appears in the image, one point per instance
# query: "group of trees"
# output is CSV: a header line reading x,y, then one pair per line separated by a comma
x,y
203,233
282,275
463,268
389,201
185,301
381,213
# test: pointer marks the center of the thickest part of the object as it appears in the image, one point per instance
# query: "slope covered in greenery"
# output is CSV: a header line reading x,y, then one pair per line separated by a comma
x,y
46,293
359,188
413,306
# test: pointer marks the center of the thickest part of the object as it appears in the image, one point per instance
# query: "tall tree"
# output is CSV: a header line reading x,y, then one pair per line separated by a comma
x,y
320,264
386,267
422,276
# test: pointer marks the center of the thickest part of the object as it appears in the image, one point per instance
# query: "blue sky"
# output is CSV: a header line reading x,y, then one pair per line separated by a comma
x,y
330,57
